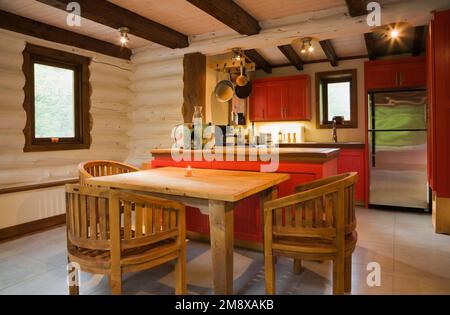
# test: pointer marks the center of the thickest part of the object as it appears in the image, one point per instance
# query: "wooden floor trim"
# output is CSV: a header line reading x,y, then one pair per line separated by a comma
x,y
13,189
20,230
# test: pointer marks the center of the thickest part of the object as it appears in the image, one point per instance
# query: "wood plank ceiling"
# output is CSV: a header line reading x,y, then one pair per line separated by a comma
x,y
156,22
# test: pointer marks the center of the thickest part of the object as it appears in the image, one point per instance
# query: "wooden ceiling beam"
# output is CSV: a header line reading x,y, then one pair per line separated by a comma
x,y
419,40
328,49
229,13
370,46
356,7
292,56
19,24
259,60
111,15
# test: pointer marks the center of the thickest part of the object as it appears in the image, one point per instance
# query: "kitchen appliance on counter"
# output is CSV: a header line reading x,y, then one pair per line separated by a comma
x,y
398,149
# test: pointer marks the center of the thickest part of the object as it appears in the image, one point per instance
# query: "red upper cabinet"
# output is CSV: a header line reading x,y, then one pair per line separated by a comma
x,y
280,99
380,75
275,100
398,73
297,105
258,102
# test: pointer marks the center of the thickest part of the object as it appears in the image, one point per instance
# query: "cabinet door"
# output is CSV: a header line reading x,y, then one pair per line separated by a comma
x,y
258,102
352,160
412,74
297,104
378,76
275,100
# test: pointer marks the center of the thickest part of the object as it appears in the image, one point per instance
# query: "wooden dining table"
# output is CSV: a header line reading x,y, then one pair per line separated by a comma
x,y
214,192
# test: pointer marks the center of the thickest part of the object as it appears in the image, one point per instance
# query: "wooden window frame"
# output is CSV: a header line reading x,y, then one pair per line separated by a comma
x,y
322,79
80,65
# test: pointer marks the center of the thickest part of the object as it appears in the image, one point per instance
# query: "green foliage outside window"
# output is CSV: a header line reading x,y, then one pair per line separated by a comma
x,y
54,102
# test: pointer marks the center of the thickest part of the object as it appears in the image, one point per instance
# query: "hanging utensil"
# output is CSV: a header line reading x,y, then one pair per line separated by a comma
x,y
241,80
224,90
244,91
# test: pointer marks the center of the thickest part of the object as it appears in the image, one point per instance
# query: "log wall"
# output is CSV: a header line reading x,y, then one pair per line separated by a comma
x,y
110,80
157,87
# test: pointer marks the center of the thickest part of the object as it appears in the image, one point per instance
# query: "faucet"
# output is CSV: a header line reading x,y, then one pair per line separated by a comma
x,y
337,120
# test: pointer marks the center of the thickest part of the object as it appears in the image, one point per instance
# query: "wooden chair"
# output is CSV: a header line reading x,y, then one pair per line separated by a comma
x,y
102,168
316,223
102,239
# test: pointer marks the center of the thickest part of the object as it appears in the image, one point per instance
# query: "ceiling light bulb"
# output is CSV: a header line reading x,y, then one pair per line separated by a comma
x,y
303,49
124,39
311,48
394,34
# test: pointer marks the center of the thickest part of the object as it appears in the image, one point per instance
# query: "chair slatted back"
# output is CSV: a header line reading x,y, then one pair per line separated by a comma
x,y
95,214
98,168
315,211
87,213
349,195
147,220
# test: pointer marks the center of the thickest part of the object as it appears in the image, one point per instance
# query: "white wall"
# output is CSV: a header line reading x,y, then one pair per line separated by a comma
x,y
312,133
109,110
157,101
27,206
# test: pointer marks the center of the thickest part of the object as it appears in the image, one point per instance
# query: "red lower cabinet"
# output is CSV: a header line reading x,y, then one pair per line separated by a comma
x,y
353,160
196,221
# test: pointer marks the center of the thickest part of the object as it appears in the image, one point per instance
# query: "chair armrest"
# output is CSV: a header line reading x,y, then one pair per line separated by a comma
x,y
318,183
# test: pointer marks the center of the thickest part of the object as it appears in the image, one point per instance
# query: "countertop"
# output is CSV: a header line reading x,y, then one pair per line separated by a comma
x,y
341,145
313,155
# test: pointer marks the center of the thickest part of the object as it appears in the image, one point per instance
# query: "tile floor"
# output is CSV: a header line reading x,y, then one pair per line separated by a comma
x,y
413,260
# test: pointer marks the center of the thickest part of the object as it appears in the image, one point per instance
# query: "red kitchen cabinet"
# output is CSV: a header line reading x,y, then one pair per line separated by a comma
x,y
439,113
281,99
353,160
399,73
275,100
297,106
258,102
413,73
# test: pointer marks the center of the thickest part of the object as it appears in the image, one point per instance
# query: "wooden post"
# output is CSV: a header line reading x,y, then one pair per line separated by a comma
x,y
194,80
221,230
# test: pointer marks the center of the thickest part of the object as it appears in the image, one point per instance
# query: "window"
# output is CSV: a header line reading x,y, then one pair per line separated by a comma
x,y
336,95
56,100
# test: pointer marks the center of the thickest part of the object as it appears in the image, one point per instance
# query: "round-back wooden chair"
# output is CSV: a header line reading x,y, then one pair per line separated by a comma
x,y
97,168
102,238
318,222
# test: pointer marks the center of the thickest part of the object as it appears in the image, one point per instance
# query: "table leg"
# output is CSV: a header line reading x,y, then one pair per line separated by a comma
x,y
221,230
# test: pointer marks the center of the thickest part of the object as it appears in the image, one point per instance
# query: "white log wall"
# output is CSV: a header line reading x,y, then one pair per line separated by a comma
x,y
110,105
157,87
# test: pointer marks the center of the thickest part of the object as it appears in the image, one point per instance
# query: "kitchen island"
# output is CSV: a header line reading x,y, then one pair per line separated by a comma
x,y
302,164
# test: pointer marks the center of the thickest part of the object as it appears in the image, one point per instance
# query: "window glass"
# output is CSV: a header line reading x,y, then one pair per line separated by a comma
x,y
338,100
54,101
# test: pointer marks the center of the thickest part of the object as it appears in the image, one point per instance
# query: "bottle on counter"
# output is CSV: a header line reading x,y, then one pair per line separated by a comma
x,y
197,121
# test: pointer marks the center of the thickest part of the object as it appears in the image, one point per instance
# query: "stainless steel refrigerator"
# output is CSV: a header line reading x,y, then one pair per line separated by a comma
x,y
398,149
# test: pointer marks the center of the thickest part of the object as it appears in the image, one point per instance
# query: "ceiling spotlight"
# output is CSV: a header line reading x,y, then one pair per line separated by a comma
x,y
124,39
303,49
394,33
304,44
237,54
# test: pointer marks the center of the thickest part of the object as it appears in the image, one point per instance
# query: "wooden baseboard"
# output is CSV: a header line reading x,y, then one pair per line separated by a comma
x,y
16,231
238,243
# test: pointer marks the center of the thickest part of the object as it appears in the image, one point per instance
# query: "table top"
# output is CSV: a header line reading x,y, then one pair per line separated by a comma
x,y
210,184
